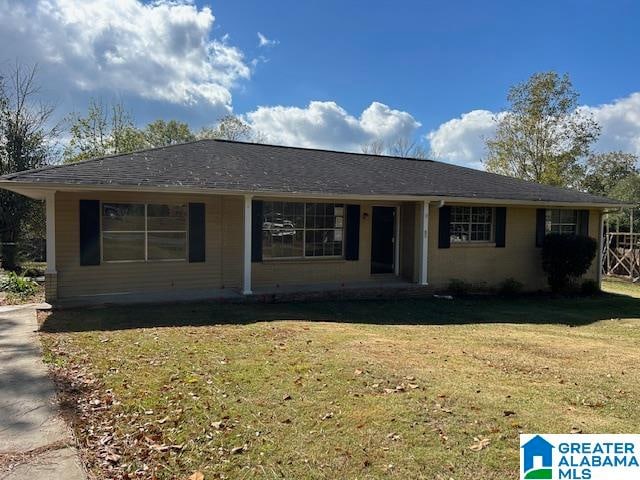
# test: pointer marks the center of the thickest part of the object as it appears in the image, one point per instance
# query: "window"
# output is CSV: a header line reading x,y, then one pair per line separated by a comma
x,y
138,232
298,230
471,224
561,221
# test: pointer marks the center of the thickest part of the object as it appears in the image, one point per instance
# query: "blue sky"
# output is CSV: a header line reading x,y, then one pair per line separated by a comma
x,y
333,74
433,59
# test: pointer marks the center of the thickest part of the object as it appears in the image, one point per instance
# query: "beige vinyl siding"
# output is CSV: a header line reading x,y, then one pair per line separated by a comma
x,y
223,250
485,265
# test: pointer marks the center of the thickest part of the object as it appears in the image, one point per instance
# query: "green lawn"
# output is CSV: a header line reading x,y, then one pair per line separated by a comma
x,y
431,389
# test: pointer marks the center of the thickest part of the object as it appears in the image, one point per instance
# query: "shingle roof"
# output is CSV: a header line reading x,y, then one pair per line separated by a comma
x,y
248,167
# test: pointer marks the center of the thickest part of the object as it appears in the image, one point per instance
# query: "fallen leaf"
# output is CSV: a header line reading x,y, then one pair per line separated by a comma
x,y
480,444
197,476
413,386
357,372
286,397
238,450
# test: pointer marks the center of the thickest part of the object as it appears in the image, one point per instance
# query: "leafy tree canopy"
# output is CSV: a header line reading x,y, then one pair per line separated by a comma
x,y
543,136
605,171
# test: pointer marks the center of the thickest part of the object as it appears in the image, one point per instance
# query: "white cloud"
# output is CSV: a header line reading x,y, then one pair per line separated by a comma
x,y
263,41
620,121
461,140
157,51
327,125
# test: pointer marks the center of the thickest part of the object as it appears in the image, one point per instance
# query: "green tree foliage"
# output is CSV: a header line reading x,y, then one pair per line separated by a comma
x,y
26,142
231,127
105,130
627,190
566,258
160,133
604,171
542,137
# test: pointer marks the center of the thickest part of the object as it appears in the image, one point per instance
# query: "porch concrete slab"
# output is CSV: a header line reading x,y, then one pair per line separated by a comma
x,y
29,418
132,298
391,282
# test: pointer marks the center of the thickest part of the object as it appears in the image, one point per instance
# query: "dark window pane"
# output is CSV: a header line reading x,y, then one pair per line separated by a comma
x,y
127,217
166,217
167,246
122,246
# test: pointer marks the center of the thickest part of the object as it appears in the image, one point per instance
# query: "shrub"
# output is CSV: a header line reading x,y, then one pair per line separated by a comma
x,y
459,287
566,257
20,286
590,287
510,287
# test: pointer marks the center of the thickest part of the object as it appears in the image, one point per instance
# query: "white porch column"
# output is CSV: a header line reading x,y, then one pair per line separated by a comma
x,y
423,244
51,273
246,277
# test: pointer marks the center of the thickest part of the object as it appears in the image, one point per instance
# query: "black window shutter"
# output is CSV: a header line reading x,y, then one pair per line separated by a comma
x,y
583,222
89,232
197,233
541,218
501,226
444,227
352,247
256,230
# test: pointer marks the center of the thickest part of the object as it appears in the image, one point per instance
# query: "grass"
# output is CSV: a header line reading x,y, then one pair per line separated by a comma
x,y
431,389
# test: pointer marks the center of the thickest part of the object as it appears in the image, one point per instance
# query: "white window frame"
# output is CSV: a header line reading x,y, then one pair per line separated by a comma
x,y
549,224
471,222
146,234
304,230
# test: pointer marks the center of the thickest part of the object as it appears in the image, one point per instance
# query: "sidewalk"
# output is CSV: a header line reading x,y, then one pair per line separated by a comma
x,y
35,442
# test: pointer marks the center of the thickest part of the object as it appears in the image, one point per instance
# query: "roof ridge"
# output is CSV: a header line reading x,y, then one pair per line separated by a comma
x,y
327,150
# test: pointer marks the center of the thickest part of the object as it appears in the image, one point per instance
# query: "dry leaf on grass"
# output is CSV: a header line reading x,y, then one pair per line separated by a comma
x,y
480,444
196,476
238,450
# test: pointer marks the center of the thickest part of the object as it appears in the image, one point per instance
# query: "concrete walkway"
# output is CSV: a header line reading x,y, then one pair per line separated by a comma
x,y
35,442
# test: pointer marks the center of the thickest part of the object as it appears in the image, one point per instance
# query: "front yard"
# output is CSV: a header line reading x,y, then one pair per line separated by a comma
x,y
431,389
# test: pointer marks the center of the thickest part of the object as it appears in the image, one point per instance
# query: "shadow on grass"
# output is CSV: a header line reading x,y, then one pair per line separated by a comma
x,y
574,311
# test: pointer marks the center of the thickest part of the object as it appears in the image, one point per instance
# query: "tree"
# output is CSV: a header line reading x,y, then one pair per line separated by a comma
x,y
376,147
105,130
26,142
160,133
604,171
627,190
400,147
543,136
229,127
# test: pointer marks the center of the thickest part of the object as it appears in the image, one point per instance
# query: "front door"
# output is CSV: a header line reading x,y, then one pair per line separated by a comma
x,y
382,239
